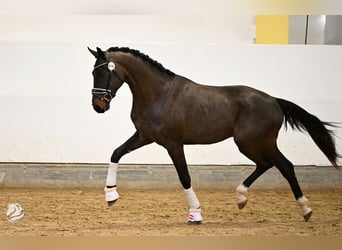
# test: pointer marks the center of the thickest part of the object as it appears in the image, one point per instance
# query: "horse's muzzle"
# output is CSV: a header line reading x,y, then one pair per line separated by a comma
x,y
98,109
99,105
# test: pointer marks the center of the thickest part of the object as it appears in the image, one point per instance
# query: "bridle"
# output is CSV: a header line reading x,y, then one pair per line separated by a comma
x,y
106,94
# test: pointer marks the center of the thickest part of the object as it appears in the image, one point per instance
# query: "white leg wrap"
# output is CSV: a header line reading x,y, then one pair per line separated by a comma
x,y
303,203
111,194
111,174
195,207
241,194
192,198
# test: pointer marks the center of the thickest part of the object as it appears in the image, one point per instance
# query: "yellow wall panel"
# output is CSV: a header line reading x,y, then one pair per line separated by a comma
x,y
272,29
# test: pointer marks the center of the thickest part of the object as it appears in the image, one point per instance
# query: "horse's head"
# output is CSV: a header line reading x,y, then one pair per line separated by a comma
x,y
106,80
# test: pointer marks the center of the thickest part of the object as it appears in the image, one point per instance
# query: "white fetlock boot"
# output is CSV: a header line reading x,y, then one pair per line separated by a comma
x,y
241,196
111,195
194,216
303,203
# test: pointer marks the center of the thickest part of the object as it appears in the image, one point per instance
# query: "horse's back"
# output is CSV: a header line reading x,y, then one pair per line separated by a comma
x,y
213,113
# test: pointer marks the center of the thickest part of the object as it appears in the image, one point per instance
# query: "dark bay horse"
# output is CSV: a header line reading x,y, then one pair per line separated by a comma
x,y
172,111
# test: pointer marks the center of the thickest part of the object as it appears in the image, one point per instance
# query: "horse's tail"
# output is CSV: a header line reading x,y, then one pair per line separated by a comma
x,y
300,119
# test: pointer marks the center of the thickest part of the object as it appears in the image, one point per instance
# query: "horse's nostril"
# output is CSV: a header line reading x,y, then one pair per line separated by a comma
x,y
98,109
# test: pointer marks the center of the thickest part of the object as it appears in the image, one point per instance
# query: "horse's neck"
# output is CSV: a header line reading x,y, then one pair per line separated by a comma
x,y
145,83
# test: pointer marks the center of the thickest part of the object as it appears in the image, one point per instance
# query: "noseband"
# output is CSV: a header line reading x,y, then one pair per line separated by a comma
x,y
106,94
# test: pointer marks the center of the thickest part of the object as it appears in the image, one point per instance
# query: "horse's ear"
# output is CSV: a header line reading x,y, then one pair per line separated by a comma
x,y
100,53
93,52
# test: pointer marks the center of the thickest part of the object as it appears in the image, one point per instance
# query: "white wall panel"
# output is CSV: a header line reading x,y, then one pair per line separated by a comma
x,y
45,100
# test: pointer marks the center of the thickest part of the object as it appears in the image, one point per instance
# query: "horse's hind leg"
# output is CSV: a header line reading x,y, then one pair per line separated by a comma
x,y
242,189
265,157
287,170
255,148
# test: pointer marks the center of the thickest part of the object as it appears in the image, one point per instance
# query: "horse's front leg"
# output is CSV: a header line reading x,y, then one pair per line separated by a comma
x,y
134,142
176,153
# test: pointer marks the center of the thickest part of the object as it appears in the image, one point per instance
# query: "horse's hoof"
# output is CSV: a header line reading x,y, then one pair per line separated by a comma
x,y
194,222
242,204
308,216
111,203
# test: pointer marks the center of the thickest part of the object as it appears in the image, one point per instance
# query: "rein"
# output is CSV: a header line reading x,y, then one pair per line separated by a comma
x,y
106,94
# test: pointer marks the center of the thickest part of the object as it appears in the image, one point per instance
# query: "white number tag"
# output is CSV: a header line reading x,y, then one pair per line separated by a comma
x,y
111,66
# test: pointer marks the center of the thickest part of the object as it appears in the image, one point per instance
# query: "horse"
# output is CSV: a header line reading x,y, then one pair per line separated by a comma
x,y
173,111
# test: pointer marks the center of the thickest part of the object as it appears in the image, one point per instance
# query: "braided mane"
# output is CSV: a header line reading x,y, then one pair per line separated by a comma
x,y
144,57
